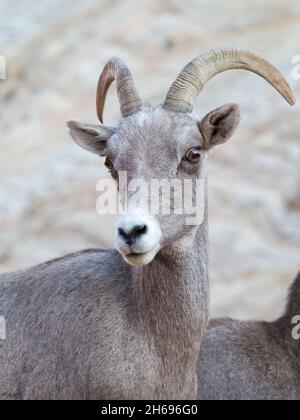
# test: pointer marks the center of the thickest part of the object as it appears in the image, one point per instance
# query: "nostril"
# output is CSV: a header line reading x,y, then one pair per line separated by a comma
x,y
122,233
130,237
139,230
127,237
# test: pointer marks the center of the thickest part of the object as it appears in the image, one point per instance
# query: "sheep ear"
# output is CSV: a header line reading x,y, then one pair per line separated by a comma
x,y
219,125
89,136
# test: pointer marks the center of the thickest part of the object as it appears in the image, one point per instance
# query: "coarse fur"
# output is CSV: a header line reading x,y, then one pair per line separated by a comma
x,y
92,326
252,360
128,324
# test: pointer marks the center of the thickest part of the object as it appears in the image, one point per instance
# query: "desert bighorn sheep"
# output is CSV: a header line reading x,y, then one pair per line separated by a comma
x,y
252,360
128,324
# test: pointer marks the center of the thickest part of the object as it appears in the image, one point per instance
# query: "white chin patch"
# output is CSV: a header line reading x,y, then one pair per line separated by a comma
x,y
141,259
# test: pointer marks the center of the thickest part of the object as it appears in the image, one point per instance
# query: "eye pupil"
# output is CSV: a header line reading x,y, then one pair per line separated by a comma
x,y
194,155
108,164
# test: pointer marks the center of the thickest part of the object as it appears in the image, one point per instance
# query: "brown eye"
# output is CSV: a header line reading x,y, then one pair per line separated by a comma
x,y
108,164
194,155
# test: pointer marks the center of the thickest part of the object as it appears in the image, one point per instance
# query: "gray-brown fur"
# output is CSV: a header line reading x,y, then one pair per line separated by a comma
x,y
90,326
252,360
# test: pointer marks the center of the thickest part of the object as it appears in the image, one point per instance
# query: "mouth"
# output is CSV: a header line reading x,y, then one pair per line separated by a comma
x,y
142,258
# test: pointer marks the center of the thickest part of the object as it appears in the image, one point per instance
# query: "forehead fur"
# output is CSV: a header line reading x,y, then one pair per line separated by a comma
x,y
155,129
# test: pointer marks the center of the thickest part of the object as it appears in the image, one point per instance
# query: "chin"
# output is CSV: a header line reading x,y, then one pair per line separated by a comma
x,y
141,259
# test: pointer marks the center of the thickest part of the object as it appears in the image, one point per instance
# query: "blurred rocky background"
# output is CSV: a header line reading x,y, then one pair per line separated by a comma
x,y
55,51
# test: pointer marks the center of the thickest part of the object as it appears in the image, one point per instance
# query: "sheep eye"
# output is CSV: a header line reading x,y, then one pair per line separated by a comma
x,y
194,155
108,164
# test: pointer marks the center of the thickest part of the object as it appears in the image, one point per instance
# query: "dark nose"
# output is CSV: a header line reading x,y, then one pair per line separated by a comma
x,y
131,236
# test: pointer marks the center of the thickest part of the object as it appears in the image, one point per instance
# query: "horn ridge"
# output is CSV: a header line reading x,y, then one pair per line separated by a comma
x,y
116,70
193,78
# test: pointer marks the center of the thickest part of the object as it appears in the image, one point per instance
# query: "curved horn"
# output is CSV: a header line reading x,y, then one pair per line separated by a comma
x,y
190,82
130,102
